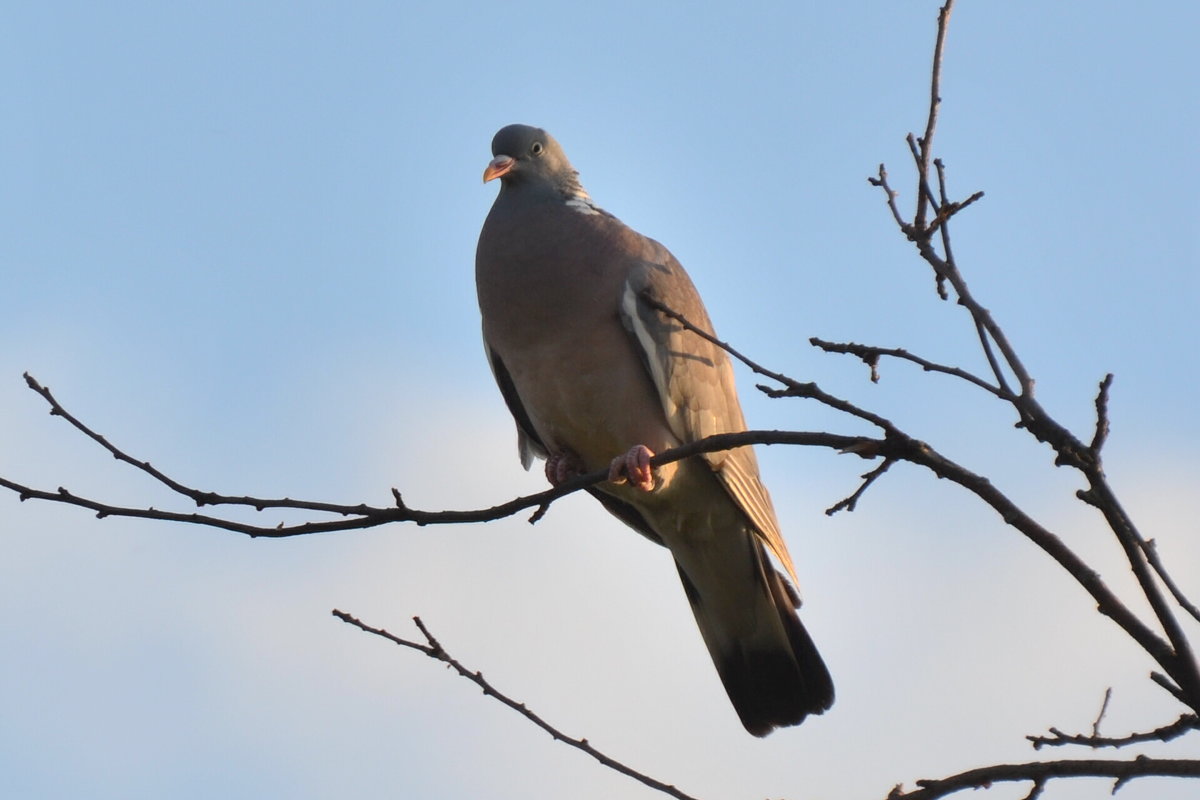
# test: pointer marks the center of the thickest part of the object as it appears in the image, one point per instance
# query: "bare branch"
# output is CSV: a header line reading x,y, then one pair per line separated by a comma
x,y
794,388
361,516
935,101
1101,416
851,502
707,336
870,355
1151,550
1102,712
900,446
1035,792
1182,664
990,354
920,232
1186,723
896,445
1167,685
1039,772
947,207
434,649
882,182
1176,657
925,196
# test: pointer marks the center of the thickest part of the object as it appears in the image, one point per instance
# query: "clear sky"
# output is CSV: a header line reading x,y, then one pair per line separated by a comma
x,y
238,239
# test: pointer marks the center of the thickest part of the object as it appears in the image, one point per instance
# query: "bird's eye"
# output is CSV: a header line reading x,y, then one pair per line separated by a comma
x,y
536,148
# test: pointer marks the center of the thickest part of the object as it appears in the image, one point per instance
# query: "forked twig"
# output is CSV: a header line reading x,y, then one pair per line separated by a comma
x,y
870,355
434,649
1187,723
1177,659
851,502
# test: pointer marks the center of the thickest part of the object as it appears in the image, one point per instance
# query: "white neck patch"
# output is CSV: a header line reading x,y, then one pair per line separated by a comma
x,y
582,202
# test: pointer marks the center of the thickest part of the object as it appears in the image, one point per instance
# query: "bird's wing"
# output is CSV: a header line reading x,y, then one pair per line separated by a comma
x,y
694,379
528,443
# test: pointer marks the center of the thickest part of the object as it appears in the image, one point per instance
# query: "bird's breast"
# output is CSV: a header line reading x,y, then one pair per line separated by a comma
x,y
549,294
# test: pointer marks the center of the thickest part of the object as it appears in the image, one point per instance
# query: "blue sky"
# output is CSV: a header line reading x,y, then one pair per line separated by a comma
x,y
238,239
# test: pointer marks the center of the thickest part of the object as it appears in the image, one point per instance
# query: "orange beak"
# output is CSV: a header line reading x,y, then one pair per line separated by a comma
x,y
500,165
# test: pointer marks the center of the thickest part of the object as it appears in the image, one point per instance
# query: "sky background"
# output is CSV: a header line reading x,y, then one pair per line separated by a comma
x,y
238,239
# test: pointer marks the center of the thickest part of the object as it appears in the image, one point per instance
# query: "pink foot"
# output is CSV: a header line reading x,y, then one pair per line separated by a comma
x,y
633,468
561,467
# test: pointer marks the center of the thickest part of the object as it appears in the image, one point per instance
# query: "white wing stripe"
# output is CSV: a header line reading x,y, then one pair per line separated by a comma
x,y
653,356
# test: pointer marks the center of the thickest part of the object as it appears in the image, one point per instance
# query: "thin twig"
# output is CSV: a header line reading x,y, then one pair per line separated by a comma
x,y
1167,685
1151,551
925,196
794,388
1043,771
1101,434
935,101
1103,710
947,208
434,649
1187,723
851,502
882,182
990,355
1182,665
1039,785
870,355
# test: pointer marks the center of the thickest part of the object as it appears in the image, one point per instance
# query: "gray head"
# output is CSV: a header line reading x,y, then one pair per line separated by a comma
x,y
528,156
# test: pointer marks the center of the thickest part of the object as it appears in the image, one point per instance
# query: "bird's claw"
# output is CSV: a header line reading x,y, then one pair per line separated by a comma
x,y
633,468
561,467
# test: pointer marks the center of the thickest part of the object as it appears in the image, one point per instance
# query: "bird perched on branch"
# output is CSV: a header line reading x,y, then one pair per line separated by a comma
x,y
598,378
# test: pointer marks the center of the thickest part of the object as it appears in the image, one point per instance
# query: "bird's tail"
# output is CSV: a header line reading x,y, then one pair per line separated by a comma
x,y
771,669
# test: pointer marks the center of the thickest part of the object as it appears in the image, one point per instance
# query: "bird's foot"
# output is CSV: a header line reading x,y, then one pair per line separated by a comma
x,y
633,468
561,467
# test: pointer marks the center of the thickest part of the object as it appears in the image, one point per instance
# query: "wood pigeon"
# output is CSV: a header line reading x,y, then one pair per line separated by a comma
x,y
597,378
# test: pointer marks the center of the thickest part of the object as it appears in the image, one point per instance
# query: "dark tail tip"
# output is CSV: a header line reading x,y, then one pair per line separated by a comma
x,y
773,683
771,689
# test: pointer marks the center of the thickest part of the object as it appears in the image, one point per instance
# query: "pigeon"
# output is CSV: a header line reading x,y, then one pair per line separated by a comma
x,y
597,378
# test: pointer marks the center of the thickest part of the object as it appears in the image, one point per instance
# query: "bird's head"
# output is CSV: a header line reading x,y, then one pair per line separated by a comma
x,y
523,154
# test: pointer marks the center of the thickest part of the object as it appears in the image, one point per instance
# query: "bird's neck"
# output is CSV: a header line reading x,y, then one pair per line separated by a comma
x,y
565,189
576,196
